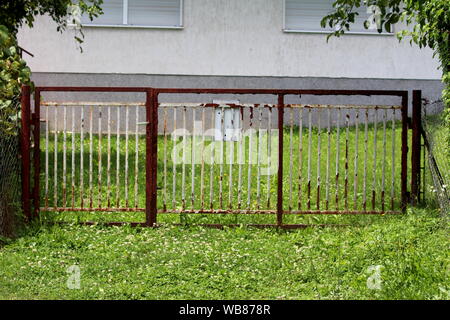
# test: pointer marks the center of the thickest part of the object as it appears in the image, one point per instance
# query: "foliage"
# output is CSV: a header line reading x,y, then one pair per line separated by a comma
x,y
13,70
13,74
16,13
427,21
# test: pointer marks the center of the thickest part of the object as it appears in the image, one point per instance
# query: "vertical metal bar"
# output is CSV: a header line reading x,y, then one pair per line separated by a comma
x,y
355,165
150,215
90,157
250,150
174,160
73,157
291,134
319,153
416,145
136,161
108,165
118,159
211,168
64,155
337,156
366,141
269,155
374,178
37,151
154,160
47,124
165,161
393,160
280,159
258,160
25,149
327,191
384,160
300,159
308,204
222,130
127,113
202,173
241,142
347,123
151,107
193,152
423,168
423,173
404,158
100,169
55,174
183,166
82,159
231,159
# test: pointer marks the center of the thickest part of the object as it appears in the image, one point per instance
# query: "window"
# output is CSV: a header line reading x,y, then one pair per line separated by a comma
x,y
305,16
139,13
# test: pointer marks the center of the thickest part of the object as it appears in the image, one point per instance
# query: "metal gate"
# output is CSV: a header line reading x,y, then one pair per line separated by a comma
x,y
219,157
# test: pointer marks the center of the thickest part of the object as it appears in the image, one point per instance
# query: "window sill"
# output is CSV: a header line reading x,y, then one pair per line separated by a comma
x,y
130,26
347,32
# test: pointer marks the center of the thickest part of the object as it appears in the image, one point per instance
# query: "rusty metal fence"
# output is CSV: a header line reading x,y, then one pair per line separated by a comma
x,y
217,157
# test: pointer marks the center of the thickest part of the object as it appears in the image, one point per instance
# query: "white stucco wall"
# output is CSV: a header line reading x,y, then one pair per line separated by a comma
x,y
226,37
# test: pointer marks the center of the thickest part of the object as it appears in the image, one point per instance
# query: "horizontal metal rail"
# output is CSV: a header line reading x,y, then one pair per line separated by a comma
x,y
398,93
215,105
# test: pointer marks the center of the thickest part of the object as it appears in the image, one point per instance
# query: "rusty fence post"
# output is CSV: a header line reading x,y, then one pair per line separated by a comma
x,y
416,145
25,151
151,106
280,159
404,158
37,151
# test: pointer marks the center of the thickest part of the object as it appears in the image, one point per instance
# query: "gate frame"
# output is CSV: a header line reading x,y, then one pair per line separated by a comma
x,y
280,93
35,121
151,105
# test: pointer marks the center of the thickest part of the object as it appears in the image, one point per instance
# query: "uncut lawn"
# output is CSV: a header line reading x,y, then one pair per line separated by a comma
x,y
200,263
173,262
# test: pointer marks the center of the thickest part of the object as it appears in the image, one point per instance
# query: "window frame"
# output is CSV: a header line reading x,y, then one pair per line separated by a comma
x,y
125,24
286,30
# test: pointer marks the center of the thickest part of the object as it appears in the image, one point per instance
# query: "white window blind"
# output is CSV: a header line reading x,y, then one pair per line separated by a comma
x,y
154,13
151,13
305,15
112,13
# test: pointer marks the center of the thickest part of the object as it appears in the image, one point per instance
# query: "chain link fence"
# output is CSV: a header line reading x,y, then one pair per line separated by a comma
x,y
10,189
437,159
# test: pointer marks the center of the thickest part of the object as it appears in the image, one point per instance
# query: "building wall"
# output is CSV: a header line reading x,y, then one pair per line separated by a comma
x,y
431,89
226,38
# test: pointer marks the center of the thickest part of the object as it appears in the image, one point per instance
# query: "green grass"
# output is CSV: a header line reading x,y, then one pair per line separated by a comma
x,y
298,200
201,263
191,262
